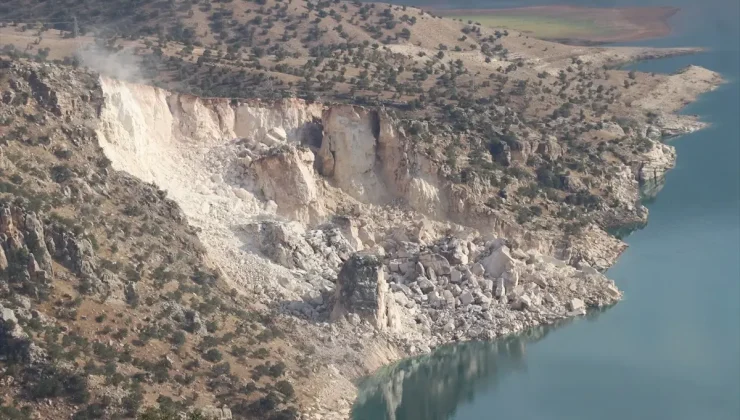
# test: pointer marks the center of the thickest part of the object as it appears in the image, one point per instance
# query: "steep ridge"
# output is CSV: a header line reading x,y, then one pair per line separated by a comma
x,y
99,268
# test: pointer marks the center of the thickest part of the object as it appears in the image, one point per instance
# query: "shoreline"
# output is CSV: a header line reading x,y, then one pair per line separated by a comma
x,y
376,191
541,283
673,111
576,25
332,390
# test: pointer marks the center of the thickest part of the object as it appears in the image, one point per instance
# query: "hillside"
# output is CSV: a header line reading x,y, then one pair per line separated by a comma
x,y
251,203
447,73
109,301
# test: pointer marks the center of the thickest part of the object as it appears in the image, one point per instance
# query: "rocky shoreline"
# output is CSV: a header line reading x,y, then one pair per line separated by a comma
x,y
366,279
459,290
333,220
266,253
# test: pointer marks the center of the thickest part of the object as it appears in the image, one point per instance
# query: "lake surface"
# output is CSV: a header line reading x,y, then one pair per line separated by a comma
x,y
671,348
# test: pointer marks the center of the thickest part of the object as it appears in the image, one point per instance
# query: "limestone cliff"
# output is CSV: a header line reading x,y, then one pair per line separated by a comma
x,y
286,195
212,152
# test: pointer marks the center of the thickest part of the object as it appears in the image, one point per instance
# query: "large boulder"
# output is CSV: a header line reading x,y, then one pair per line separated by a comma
x,y
522,303
436,262
350,230
362,290
284,244
576,305
613,129
425,285
16,344
455,276
500,288
456,251
511,278
7,315
275,136
550,149
499,262
286,176
466,298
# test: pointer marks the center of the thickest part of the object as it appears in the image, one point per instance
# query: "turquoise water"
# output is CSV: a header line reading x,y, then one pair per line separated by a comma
x,y
671,349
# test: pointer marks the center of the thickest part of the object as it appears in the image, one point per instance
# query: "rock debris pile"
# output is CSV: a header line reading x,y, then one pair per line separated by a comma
x,y
453,289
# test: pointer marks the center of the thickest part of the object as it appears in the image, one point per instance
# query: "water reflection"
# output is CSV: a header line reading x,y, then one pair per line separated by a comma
x,y
431,387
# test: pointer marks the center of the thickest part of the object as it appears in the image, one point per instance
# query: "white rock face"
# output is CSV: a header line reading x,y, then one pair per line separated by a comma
x,y
7,315
192,149
288,178
424,194
279,228
659,160
285,121
499,262
351,141
576,304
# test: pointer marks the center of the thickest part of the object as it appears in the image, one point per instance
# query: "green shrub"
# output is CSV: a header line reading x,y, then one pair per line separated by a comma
x,y
285,388
213,355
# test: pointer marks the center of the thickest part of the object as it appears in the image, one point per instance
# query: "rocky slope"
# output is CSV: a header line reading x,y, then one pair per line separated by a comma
x,y
334,213
239,170
109,305
354,236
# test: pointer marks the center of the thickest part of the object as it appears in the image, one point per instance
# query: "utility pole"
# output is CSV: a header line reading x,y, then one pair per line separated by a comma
x,y
75,29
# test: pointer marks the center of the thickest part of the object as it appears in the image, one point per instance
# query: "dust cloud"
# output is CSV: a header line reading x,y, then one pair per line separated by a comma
x,y
117,64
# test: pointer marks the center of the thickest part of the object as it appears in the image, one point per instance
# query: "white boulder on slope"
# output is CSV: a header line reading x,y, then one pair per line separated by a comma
x,y
498,262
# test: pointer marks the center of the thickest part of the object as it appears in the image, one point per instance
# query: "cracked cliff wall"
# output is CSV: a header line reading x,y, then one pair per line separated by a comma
x,y
228,163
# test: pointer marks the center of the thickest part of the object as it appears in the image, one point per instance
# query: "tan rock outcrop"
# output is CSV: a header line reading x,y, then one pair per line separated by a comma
x,y
362,290
287,177
351,139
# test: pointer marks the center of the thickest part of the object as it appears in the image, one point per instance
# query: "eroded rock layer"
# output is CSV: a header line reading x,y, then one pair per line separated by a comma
x,y
338,216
